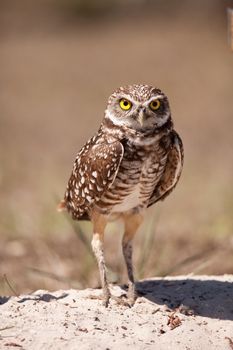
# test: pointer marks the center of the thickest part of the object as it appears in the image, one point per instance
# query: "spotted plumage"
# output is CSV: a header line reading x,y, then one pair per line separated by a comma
x,y
133,161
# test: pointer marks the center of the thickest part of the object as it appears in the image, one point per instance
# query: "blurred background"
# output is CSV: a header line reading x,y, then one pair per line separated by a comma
x,y
60,60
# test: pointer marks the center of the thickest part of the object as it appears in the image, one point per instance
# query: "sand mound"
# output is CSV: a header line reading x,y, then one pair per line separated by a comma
x,y
172,313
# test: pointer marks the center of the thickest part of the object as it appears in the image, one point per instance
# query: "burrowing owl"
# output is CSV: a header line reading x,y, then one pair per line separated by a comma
x,y
133,161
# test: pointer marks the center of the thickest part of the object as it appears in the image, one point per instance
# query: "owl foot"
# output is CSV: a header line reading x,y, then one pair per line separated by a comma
x,y
131,295
123,300
105,298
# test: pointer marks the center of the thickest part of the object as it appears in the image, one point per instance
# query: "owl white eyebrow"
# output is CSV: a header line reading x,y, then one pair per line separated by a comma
x,y
127,98
154,98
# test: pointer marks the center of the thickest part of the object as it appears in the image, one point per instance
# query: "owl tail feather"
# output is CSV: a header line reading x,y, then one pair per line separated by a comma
x,y
61,206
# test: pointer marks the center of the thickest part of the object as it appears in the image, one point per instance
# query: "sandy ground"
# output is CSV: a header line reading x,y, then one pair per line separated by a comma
x,y
194,312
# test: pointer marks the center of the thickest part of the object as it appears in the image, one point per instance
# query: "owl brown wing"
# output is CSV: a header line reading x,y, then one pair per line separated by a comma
x,y
172,171
94,171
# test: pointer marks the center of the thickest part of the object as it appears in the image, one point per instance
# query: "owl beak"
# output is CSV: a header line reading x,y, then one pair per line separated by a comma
x,y
141,116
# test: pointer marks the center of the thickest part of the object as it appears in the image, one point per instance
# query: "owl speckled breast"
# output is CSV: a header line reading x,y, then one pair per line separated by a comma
x,y
139,172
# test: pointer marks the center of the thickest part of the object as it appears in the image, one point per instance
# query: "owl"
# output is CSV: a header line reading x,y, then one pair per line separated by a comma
x,y
133,161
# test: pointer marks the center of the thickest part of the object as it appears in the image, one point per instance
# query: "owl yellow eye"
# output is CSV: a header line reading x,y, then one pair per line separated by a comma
x,y
154,105
125,104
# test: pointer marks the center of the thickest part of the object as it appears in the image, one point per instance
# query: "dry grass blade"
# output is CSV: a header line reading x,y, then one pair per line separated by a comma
x,y
77,229
10,286
54,277
230,27
196,257
148,245
81,235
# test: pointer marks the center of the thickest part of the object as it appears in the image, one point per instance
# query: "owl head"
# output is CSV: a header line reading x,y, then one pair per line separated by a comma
x,y
139,107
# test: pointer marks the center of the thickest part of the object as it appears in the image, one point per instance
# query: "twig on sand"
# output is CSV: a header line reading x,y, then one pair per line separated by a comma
x,y
13,344
230,342
5,328
173,320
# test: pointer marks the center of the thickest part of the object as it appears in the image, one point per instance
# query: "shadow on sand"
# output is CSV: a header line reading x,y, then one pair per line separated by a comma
x,y
4,300
41,297
208,298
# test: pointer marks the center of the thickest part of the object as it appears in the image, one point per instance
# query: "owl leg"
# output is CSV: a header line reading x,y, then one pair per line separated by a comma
x,y
132,223
99,223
